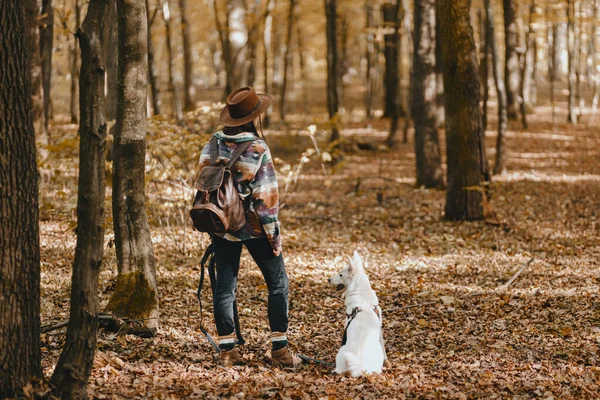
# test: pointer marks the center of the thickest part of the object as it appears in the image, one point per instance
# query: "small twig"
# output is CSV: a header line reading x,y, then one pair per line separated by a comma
x,y
515,276
427,303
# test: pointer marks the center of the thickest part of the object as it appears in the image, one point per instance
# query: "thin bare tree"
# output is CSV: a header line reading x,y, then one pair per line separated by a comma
x,y
173,88
332,56
74,366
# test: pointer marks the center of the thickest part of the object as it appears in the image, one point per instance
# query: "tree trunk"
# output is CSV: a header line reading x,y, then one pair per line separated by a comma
x,y
20,357
32,12
74,63
46,44
595,76
579,44
439,73
534,70
511,66
188,82
525,67
238,37
276,49
467,163
371,58
226,50
424,93
332,81
154,89
484,50
287,59
552,70
135,294
177,110
267,40
572,116
342,56
500,164
303,71
112,65
253,39
74,366
391,51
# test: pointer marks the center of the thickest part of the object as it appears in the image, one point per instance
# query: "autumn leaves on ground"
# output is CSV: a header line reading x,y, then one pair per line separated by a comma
x,y
453,327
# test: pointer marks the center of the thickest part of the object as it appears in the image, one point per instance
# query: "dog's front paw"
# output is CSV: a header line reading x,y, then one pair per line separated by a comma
x,y
337,371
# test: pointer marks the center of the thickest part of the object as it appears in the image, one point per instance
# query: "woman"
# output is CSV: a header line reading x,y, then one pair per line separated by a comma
x,y
255,179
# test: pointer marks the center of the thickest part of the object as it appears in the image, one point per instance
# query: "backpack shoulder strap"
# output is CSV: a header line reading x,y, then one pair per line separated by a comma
x,y
214,150
238,152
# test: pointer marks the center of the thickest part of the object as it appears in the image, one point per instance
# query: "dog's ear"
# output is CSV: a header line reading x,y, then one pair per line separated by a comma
x,y
350,264
356,262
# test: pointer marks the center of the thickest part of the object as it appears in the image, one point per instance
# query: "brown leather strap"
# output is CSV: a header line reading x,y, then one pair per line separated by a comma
x,y
238,152
214,150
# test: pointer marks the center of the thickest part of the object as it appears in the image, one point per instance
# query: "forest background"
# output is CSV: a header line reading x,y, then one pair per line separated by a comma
x,y
452,142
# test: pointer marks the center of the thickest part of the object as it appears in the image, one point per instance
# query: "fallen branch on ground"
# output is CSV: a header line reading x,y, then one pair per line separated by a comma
x,y
113,324
499,289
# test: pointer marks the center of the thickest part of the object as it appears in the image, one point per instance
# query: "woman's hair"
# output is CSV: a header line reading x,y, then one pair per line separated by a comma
x,y
234,130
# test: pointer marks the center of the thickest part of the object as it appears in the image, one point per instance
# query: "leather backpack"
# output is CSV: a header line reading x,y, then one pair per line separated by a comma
x,y
217,206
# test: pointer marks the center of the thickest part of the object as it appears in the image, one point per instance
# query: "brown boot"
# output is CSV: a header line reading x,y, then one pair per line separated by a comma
x,y
285,358
231,357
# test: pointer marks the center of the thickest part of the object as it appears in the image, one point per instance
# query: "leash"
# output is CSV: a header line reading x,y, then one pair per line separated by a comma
x,y
309,360
209,256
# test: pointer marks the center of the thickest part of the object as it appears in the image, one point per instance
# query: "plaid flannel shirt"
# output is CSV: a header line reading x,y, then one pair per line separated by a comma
x,y
256,181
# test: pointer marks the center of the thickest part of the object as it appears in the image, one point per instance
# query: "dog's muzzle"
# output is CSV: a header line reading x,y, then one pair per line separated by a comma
x,y
339,287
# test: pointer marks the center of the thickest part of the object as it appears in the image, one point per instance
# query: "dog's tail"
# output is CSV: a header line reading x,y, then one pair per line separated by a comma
x,y
353,364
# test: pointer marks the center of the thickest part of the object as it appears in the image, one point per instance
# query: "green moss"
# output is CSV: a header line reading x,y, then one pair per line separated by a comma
x,y
133,297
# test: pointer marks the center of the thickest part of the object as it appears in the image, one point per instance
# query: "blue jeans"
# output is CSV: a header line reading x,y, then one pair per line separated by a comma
x,y
227,257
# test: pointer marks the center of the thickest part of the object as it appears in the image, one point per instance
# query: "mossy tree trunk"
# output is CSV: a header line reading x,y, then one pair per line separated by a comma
x,y
74,366
511,64
135,296
467,162
332,55
500,164
20,358
424,97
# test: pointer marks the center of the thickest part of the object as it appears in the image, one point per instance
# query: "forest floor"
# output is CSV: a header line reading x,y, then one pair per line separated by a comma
x,y
451,329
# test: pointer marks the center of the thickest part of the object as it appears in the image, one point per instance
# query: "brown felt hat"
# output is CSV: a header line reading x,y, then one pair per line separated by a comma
x,y
244,105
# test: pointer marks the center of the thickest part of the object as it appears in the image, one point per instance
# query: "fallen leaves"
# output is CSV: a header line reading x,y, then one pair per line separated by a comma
x,y
454,326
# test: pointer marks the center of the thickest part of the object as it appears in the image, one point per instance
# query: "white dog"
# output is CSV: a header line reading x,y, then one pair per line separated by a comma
x,y
363,349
